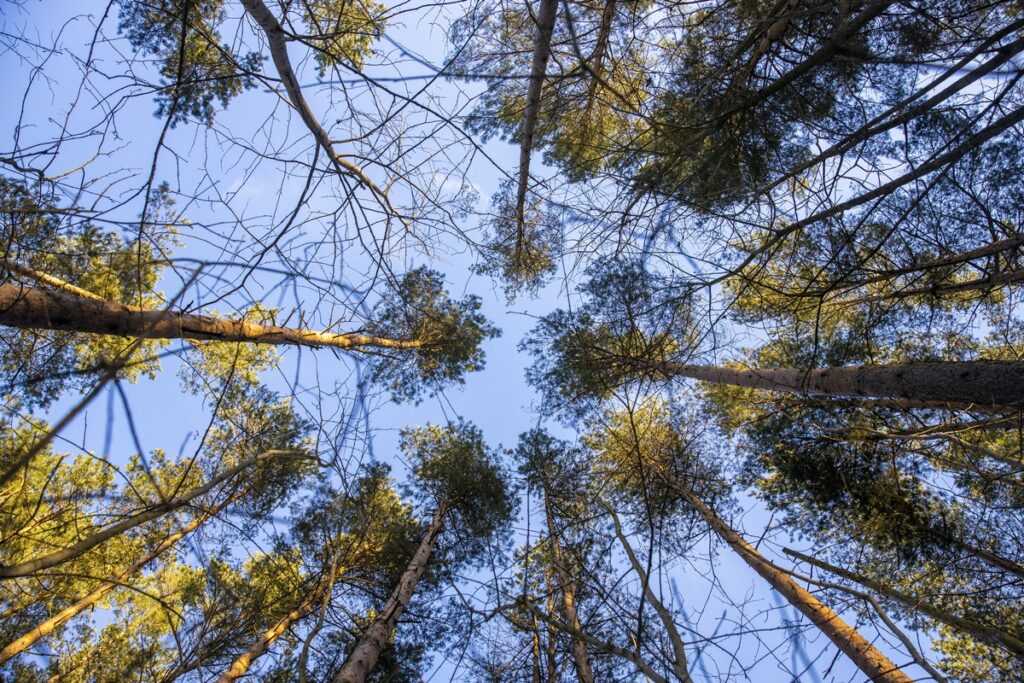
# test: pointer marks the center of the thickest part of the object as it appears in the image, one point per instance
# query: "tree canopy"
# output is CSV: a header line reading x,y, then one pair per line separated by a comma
x,y
350,341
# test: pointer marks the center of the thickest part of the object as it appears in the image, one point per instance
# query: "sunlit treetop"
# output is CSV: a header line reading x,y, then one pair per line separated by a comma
x,y
123,267
628,315
342,32
636,449
452,468
367,528
520,254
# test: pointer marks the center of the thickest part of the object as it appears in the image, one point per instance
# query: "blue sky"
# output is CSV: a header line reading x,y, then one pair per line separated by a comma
x,y
497,400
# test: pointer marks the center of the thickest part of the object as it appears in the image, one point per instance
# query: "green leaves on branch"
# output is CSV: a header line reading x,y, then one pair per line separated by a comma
x,y
196,66
447,336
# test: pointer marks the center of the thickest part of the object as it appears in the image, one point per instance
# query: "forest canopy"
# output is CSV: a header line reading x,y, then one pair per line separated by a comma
x,y
352,341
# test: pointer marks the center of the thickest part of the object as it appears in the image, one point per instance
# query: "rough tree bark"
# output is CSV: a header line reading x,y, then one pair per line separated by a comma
x,y
868,659
980,384
546,14
364,656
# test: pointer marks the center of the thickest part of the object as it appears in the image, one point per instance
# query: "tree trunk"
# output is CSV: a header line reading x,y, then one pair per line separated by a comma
x,y
579,647
241,665
364,657
941,384
551,649
868,659
48,626
86,544
985,634
985,282
679,666
44,309
546,14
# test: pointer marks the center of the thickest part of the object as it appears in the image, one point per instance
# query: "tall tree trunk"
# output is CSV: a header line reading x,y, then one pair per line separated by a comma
x,y
985,634
46,627
868,659
551,650
36,308
364,656
86,544
953,384
564,580
985,282
535,647
546,14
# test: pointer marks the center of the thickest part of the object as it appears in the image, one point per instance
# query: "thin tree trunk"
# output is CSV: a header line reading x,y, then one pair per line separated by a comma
x,y
546,14
597,643
679,665
28,639
990,249
985,634
535,648
579,647
868,659
277,41
952,384
364,656
76,549
552,642
988,556
981,283
37,308
240,667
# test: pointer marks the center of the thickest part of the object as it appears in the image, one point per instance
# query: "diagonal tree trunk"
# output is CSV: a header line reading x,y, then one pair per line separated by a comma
x,y
364,656
86,544
44,309
240,666
980,384
868,659
985,282
277,40
679,666
985,634
28,639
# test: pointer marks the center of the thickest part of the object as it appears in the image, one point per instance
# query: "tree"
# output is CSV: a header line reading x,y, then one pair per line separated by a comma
x,y
238,231
464,482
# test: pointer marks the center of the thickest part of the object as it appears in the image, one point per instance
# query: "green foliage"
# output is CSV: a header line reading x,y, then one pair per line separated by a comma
x,y
51,504
634,448
524,259
455,470
39,365
590,114
343,31
196,67
366,529
448,334
629,316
